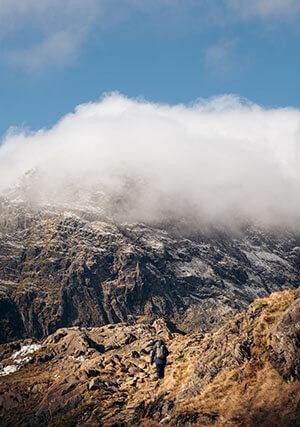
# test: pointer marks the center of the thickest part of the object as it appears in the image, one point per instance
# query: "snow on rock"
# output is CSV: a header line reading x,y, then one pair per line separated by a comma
x,y
195,267
85,270
6,370
264,259
21,358
25,350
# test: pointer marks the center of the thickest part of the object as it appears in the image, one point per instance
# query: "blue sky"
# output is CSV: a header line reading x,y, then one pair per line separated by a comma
x,y
56,54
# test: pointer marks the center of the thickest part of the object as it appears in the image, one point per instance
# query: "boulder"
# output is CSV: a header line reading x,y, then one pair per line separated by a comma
x,y
95,384
285,343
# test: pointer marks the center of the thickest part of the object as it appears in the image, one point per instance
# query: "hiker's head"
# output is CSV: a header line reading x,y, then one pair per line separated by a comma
x,y
160,342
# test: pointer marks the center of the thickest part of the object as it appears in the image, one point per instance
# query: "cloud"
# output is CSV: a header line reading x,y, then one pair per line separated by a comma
x,y
46,15
281,9
34,27
45,33
57,49
222,160
220,57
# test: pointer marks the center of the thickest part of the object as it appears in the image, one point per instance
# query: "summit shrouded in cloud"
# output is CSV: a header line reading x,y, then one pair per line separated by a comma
x,y
217,160
149,189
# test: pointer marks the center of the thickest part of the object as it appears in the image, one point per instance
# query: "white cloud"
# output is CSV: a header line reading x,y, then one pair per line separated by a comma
x,y
219,57
47,14
56,29
50,20
221,160
57,49
264,8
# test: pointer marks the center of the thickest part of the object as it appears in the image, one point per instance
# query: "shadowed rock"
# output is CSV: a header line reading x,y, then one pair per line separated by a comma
x,y
285,343
61,269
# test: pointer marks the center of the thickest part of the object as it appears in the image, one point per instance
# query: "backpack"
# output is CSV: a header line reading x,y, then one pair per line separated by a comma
x,y
160,352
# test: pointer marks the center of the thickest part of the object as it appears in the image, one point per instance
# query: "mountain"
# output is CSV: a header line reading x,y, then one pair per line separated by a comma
x,y
62,268
247,373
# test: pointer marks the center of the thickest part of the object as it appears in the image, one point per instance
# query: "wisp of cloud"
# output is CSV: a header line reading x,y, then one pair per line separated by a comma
x,y
221,160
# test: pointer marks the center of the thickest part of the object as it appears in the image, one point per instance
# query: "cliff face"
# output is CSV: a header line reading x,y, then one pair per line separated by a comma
x,y
61,269
245,374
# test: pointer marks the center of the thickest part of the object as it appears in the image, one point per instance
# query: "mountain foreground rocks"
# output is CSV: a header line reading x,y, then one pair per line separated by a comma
x,y
247,373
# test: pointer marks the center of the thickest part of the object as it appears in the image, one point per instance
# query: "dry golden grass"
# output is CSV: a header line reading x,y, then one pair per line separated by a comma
x,y
254,393
208,381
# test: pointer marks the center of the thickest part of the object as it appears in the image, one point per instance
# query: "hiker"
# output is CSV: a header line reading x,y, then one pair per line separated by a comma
x,y
159,356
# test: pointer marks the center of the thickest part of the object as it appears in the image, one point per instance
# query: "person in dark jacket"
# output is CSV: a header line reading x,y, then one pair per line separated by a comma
x,y
159,356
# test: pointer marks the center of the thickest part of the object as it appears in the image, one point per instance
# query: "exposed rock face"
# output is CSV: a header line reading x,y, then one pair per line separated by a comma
x,y
101,376
285,343
61,269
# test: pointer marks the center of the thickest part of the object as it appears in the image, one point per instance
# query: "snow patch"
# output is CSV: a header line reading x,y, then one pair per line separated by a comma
x,y
21,358
153,243
195,267
80,359
26,349
265,259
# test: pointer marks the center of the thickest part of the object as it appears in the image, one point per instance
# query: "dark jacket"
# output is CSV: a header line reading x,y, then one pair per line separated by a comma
x,y
154,357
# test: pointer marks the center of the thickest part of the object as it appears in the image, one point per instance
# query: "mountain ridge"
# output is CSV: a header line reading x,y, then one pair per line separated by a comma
x,y
78,268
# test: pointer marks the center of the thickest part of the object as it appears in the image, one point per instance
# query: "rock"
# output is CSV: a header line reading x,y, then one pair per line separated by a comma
x,y
79,353
59,335
165,420
134,370
62,269
37,388
44,358
92,373
95,384
135,354
285,343
130,339
206,375
243,350
133,382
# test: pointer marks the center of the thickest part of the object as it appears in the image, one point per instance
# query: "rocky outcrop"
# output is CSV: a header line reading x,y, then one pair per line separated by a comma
x,y
285,343
101,376
76,268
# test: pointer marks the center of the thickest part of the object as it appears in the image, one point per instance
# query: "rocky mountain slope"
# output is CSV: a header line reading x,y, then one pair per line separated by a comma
x,y
245,374
60,269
